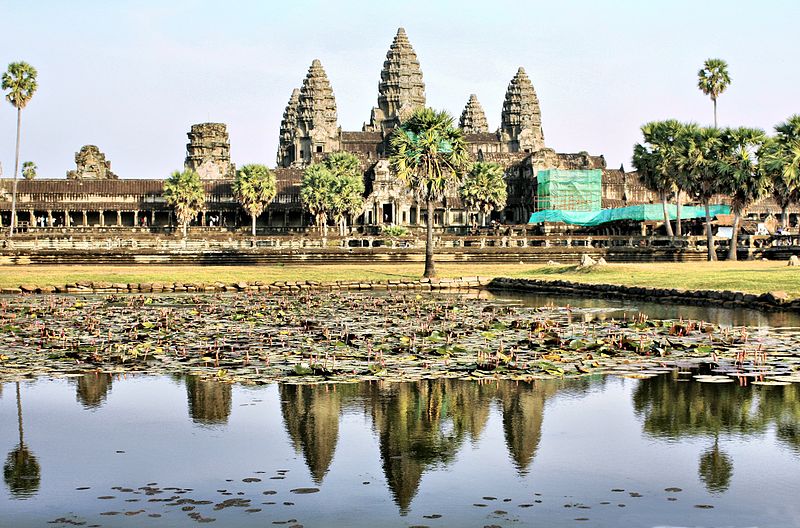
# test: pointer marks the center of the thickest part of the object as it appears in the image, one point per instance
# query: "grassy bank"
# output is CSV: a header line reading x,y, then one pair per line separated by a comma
x,y
754,277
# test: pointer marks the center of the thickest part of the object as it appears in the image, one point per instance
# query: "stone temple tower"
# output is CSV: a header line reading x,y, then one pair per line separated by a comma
x,y
521,120
401,89
473,119
286,150
209,151
316,130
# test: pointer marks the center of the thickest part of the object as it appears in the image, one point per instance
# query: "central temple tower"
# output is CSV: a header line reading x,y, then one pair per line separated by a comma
x,y
401,89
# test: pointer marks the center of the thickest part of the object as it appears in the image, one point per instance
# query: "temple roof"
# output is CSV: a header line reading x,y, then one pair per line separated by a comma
x,y
317,104
473,119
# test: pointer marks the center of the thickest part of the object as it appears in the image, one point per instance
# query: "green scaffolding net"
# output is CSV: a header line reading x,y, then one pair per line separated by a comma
x,y
569,190
638,213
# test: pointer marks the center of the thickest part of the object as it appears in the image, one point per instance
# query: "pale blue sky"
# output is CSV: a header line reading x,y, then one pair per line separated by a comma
x,y
132,77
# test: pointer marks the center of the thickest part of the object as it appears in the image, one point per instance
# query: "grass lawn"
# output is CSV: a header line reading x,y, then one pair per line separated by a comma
x,y
755,277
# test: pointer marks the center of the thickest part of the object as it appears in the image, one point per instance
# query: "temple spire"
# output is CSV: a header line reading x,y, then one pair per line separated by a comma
x,y
317,127
473,119
401,89
521,120
286,154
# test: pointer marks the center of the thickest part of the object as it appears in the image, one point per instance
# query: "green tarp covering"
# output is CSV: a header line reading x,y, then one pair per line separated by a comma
x,y
572,190
635,212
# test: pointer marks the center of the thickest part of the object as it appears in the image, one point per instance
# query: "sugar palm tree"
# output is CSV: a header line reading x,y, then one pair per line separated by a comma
x,y
703,169
254,188
184,191
429,155
744,180
713,79
348,194
658,161
29,170
316,192
782,162
484,188
20,83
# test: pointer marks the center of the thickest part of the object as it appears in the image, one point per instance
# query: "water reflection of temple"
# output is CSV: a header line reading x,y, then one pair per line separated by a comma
x,y
209,401
675,410
92,389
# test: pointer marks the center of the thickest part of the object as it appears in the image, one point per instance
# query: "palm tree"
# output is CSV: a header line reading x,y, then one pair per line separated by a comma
x,y
254,188
316,192
713,79
348,194
185,192
658,161
745,181
20,81
703,170
429,154
21,471
29,170
782,162
484,188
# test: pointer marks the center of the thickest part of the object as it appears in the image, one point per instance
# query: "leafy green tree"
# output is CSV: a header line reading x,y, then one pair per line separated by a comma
x,y
484,188
659,163
429,154
254,188
744,180
316,192
713,79
348,195
704,171
29,170
781,160
184,191
20,82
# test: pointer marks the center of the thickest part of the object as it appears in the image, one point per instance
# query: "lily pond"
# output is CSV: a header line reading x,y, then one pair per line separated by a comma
x,y
347,409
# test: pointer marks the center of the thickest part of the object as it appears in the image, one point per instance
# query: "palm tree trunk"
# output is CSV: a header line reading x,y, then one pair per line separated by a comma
x,y
254,224
712,250
667,223
16,169
185,228
430,270
715,112
678,226
19,415
734,237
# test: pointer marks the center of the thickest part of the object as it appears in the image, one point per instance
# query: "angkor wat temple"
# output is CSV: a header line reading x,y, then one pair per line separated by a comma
x,y
92,195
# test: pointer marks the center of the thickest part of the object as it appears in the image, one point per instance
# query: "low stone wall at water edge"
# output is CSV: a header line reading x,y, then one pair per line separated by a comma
x,y
724,298
88,287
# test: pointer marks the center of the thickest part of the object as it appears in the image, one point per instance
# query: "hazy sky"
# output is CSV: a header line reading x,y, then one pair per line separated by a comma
x,y
132,77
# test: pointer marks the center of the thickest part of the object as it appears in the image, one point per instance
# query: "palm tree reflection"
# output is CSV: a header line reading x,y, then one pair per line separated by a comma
x,y
21,471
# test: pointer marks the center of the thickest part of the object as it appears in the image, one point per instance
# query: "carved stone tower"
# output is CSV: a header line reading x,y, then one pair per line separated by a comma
x,y
473,119
286,151
317,130
91,164
521,121
401,89
209,151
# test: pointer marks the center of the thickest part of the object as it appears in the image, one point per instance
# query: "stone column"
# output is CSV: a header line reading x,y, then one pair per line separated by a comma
x,y
119,218
67,219
31,217
102,218
50,218
153,217
203,218
136,218
85,219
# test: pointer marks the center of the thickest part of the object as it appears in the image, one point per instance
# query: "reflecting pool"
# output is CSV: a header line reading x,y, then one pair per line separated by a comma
x,y
603,451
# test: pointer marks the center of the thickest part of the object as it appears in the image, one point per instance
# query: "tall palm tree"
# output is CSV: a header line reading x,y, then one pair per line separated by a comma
x,y
703,170
20,81
254,188
782,162
316,192
29,170
484,188
744,180
429,154
184,191
713,79
658,161
21,471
